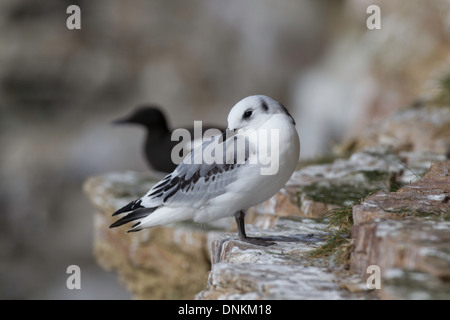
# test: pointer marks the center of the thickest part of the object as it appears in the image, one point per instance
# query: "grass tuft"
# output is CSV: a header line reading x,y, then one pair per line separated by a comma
x,y
339,242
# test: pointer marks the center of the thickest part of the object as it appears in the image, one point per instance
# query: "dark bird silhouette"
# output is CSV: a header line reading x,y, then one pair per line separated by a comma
x,y
158,144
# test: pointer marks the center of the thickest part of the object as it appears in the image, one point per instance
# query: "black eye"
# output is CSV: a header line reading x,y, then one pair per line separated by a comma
x,y
248,114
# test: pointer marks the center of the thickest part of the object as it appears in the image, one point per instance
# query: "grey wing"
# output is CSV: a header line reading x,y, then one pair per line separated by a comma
x,y
193,183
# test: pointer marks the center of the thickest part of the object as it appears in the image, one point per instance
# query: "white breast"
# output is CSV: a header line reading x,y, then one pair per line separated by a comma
x,y
254,187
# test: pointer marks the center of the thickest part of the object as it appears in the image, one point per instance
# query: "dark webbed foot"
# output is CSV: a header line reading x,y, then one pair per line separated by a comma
x,y
270,240
259,241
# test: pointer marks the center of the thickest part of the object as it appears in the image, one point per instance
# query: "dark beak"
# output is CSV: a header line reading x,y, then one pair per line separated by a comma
x,y
230,132
227,134
292,119
121,121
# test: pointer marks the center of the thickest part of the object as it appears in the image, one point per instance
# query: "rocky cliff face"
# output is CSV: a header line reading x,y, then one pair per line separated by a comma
x,y
406,233
396,185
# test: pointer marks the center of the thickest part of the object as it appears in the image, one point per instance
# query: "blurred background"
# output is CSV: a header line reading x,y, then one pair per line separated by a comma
x,y
60,89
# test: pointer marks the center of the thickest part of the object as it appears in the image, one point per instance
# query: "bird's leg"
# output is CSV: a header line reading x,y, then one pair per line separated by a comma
x,y
239,216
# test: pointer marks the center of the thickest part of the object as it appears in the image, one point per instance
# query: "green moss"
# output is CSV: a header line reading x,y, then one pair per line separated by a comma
x,y
324,159
349,189
442,99
334,193
430,215
375,175
435,215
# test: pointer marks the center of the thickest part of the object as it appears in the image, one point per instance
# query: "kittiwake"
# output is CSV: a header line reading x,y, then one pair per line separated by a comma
x,y
259,129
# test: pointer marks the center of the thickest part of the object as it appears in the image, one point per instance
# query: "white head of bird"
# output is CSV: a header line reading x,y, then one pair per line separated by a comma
x,y
253,111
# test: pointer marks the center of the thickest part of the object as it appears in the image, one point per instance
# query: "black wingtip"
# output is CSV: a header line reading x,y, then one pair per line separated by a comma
x,y
133,228
116,224
132,216
133,205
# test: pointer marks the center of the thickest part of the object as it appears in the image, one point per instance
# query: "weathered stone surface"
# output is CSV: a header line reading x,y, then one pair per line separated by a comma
x,y
426,197
282,271
160,263
314,190
413,285
422,128
407,230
